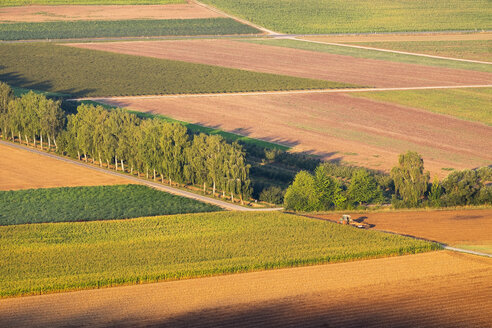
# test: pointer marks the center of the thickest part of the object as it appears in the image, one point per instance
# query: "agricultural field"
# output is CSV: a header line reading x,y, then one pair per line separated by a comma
x,y
359,16
122,28
473,50
21,169
318,44
468,104
82,255
335,126
92,203
88,2
40,13
301,63
82,72
436,289
461,228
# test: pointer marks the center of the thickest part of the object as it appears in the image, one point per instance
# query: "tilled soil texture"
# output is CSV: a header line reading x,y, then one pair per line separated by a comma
x,y
438,289
39,13
335,126
450,227
20,169
300,63
402,37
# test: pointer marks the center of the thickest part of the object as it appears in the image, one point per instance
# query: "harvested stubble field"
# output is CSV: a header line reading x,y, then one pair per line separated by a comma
x,y
20,169
296,62
374,37
88,2
335,126
453,227
438,289
40,13
50,257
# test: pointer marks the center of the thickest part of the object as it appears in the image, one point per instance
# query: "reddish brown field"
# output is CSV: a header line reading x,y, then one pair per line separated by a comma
x,y
301,63
20,169
450,227
403,37
438,289
39,13
336,126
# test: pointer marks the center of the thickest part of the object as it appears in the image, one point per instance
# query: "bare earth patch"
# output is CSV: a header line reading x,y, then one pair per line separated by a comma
x,y
403,37
39,13
451,227
431,289
335,126
294,62
20,169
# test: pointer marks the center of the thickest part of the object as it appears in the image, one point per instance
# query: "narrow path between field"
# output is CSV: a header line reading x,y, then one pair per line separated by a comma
x,y
388,50
171,190
282,92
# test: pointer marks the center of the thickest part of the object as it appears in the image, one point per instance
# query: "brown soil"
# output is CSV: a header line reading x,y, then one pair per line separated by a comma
x,y
335,126
301,63
403,37
20,169
38,13
428,290
450,227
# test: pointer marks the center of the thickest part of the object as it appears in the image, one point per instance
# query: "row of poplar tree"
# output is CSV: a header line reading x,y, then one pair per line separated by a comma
x,y
158,149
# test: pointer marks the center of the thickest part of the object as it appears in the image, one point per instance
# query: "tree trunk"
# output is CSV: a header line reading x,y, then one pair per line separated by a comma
x,y
107,161
27,140
54,141
100,162
34,140
131,170
122,166
49,142
115,163
85,157
41,140
232,197
204,187
162,178
241,198
170,182
20,138
214,189
154,174
147,173
78,154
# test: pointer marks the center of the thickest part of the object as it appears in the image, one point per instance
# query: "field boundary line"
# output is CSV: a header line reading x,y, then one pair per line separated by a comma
x,y
391,51
240,20
260,93
461,250
155,185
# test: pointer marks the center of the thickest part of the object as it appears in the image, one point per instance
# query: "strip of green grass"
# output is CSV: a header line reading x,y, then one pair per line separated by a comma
x,y
122,28
472,104
464,49
42,258
92,203
373,54
341,16
88,2
484,248
83,72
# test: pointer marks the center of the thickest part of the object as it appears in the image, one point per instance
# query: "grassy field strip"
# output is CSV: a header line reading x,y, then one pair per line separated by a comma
x,y
155,185
103,99
39,258
393,51
240,20
462,250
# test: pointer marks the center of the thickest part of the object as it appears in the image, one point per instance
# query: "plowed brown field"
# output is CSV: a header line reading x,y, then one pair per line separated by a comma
x,y
39,13
294,62
403,37
450,227
20,169
336,126
438,289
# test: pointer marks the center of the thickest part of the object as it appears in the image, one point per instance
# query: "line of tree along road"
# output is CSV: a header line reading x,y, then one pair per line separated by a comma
x,y
117,138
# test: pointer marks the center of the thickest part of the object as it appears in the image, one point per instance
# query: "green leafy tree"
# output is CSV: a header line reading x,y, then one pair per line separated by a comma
x,y
6,96
462,188
301,195
272,195
328,189
363,188
410,180
435,193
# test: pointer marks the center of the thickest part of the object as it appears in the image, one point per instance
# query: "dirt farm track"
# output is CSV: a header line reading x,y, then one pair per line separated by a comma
x,y
438,289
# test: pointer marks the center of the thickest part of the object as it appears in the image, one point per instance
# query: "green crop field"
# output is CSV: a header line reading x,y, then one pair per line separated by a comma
x,y
469,104
88,2
373,54
341,16
40,258
82,72
469,49
122,28
92,203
